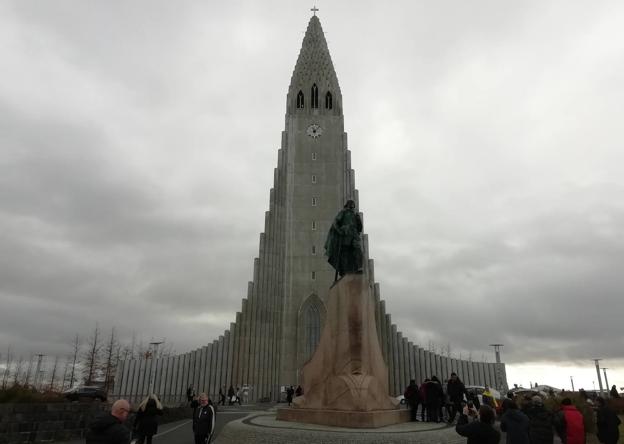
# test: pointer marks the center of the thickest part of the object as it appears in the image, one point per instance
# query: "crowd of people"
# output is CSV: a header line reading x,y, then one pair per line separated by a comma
x,y
524,421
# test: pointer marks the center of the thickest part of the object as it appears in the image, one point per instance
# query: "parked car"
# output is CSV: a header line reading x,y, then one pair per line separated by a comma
x,y
85,393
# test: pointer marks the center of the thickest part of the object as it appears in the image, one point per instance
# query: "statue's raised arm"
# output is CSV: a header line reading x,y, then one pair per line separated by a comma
x,y
344,245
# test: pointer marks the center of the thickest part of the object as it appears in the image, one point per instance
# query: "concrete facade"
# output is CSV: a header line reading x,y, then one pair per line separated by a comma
x,y
285,305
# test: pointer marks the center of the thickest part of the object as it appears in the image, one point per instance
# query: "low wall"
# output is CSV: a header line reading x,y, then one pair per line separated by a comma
x,y
36,423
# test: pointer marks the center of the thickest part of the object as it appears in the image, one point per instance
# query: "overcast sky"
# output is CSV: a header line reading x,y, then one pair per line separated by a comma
x,y
138,141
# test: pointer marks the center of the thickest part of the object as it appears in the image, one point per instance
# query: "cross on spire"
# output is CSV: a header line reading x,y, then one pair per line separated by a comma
x,y
314,9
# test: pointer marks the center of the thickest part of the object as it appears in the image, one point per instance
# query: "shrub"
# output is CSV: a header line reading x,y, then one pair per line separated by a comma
x,y
22,394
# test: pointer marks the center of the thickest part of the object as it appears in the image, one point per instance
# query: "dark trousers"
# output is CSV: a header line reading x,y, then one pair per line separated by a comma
x,y
413,409
202,439
433,410
142,438
455,408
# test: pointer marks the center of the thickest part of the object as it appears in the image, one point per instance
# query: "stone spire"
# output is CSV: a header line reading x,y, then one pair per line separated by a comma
x,y
314,66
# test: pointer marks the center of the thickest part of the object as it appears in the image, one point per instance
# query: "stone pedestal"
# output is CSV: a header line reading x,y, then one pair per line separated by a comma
x,y
345,383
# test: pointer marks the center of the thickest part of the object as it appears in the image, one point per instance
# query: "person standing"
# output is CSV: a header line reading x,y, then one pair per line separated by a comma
x,y
607,423
299,391
190,394
614,393
146,421
488,398
204,419
540,422
109,428
569,423
411,395
455,390
514,423
478,427
423,399
221,397
435,395
289,395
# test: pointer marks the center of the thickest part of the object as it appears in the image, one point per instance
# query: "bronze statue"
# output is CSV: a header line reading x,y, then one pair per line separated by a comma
x,y
343,246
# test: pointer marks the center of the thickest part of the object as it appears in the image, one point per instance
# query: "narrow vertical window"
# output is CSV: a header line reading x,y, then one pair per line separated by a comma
x,y
314,201
313,275
314,97
313,156
313,225
313,178
328,101
300,99
313,249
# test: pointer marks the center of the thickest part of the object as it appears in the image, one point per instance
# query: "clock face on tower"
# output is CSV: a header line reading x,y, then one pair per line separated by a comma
x,y
314,131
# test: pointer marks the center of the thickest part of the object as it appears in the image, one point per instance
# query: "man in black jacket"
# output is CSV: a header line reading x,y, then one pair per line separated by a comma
x,y
109,429
203,421
455,390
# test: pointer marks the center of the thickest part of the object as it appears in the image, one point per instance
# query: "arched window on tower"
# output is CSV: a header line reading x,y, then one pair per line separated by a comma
x,y
328,101
314,99
311,330
300,99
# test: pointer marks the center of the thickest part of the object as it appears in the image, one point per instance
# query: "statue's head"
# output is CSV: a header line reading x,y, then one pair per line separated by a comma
x,y
350,204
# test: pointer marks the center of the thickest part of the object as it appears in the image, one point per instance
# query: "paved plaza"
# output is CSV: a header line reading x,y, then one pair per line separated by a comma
x,y
262,428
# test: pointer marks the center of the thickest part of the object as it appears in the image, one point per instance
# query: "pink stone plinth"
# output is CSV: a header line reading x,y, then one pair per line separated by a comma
x,y
341,418
347,371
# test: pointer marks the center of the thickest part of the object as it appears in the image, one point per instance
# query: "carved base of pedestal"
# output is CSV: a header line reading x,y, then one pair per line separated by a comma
x,y
341,418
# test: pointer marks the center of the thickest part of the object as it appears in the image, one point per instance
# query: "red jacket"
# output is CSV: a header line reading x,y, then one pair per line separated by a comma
x,y
574,426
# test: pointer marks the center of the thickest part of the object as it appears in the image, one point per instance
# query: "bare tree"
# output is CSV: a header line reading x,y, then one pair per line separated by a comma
x,y
110,361
92,356
28,372
76,355
53,376
7,368
65,372
18,371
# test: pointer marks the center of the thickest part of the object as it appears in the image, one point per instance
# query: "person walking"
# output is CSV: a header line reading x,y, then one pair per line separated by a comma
x,y
607,423
569,423
109,429
411,397
204,419
478,427
146,421
540,422
231,395
514,423
455,389
221,397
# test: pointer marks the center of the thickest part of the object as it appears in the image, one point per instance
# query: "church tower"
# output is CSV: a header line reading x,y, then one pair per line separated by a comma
x,y
318,182
279,325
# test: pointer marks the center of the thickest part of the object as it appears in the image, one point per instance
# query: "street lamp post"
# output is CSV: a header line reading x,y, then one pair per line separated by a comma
x,y
597,362
604,370
153,369
572,382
